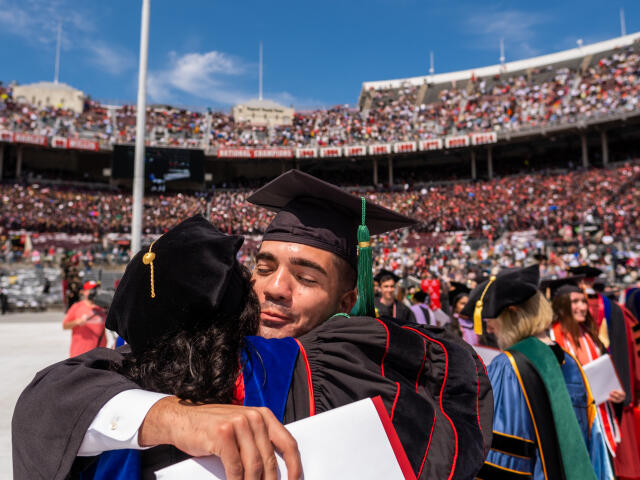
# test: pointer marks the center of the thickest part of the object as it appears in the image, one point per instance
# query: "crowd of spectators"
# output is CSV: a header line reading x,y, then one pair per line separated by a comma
x,y
542,96
467,230
552,204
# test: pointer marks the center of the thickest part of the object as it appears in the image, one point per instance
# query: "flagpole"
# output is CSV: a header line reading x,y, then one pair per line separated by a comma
x,y
56,75
260,74
138,170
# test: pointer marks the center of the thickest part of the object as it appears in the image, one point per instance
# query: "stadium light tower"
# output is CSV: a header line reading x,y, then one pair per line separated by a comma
x,y
56,75
138,169
431,69
260,74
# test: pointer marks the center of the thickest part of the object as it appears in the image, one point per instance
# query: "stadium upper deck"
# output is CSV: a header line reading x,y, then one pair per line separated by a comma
x,y
575,88
573,58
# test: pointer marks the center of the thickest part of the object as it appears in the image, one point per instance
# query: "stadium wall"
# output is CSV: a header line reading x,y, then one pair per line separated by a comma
x,y
549,147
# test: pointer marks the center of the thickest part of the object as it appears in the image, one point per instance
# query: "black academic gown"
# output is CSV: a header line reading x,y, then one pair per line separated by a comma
x,y
398,312
433,386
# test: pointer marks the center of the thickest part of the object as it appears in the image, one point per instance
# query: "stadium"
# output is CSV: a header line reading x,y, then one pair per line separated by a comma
x,y
577,107
508,189
566,118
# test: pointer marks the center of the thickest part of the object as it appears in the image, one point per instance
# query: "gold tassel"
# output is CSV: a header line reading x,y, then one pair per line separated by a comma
x,y
148,259
477,312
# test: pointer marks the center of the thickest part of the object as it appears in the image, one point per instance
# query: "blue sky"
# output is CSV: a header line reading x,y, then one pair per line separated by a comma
x,y
205,53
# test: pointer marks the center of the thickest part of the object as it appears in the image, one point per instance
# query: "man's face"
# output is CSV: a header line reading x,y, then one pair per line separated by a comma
x,y
388,290
298,287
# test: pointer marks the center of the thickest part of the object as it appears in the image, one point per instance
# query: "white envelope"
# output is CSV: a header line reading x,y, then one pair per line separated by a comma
x,y
602,377
349,442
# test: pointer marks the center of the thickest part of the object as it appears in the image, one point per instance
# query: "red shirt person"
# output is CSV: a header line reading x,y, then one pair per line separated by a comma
x,y
86,319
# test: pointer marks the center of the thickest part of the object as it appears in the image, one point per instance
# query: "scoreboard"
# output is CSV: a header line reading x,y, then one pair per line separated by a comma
x,y
161,165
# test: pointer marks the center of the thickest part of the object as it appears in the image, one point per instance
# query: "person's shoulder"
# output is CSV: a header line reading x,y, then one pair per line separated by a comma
x,y
73,308
403,307
500,364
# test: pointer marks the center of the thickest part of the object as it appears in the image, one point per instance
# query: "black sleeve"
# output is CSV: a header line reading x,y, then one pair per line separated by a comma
x,y
432,383
620,352
409,315
55,410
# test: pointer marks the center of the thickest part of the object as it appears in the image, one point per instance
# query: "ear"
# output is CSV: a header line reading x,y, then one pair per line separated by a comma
x,y
348,300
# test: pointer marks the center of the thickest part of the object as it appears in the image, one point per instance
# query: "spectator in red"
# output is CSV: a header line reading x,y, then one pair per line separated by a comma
x,y
86,320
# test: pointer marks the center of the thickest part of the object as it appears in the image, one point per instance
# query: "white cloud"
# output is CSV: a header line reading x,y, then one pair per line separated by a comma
x,y
36,23
519,29
212,76
112,59
202,75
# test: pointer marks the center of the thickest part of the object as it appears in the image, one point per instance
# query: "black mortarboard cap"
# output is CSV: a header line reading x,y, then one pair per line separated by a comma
x,y
567,289
553,287
316,213
600,285
188,274
457,290
420,296
510,287
586,270
386,273
540,256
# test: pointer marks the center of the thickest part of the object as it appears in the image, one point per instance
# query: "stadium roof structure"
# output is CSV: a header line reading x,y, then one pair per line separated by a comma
x,y
509,67
261,103
50,86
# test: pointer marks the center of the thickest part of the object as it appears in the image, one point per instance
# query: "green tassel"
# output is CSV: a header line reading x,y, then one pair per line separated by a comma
x,y
364,306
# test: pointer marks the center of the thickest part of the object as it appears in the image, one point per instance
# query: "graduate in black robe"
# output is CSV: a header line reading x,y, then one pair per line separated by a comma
x,y
434,387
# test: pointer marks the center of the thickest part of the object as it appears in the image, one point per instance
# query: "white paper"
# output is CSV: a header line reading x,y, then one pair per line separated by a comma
x,y
345,443
602,378
487,354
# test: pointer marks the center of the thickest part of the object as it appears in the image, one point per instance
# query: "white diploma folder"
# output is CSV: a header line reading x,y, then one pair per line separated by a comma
x,y
602,377
353,441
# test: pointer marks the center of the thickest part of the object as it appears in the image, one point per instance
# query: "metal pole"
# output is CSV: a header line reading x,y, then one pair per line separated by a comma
x,y
390,165
605,148
19,162
138,170
623,25
56,75
375,171
431,68
260,75
474,171
585,150
490,162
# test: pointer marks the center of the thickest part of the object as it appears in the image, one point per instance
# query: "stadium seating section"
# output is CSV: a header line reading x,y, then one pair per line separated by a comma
x,y
591,86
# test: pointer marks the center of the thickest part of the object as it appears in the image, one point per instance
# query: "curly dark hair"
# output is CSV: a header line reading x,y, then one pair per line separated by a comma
x,y
200,363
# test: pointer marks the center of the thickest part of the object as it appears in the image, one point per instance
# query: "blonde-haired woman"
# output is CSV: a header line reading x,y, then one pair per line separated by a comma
x,y
542,403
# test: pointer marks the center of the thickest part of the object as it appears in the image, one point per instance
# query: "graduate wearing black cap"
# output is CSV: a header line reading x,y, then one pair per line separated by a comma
x,y
387,305
551,286
542,429
315,252
458,299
